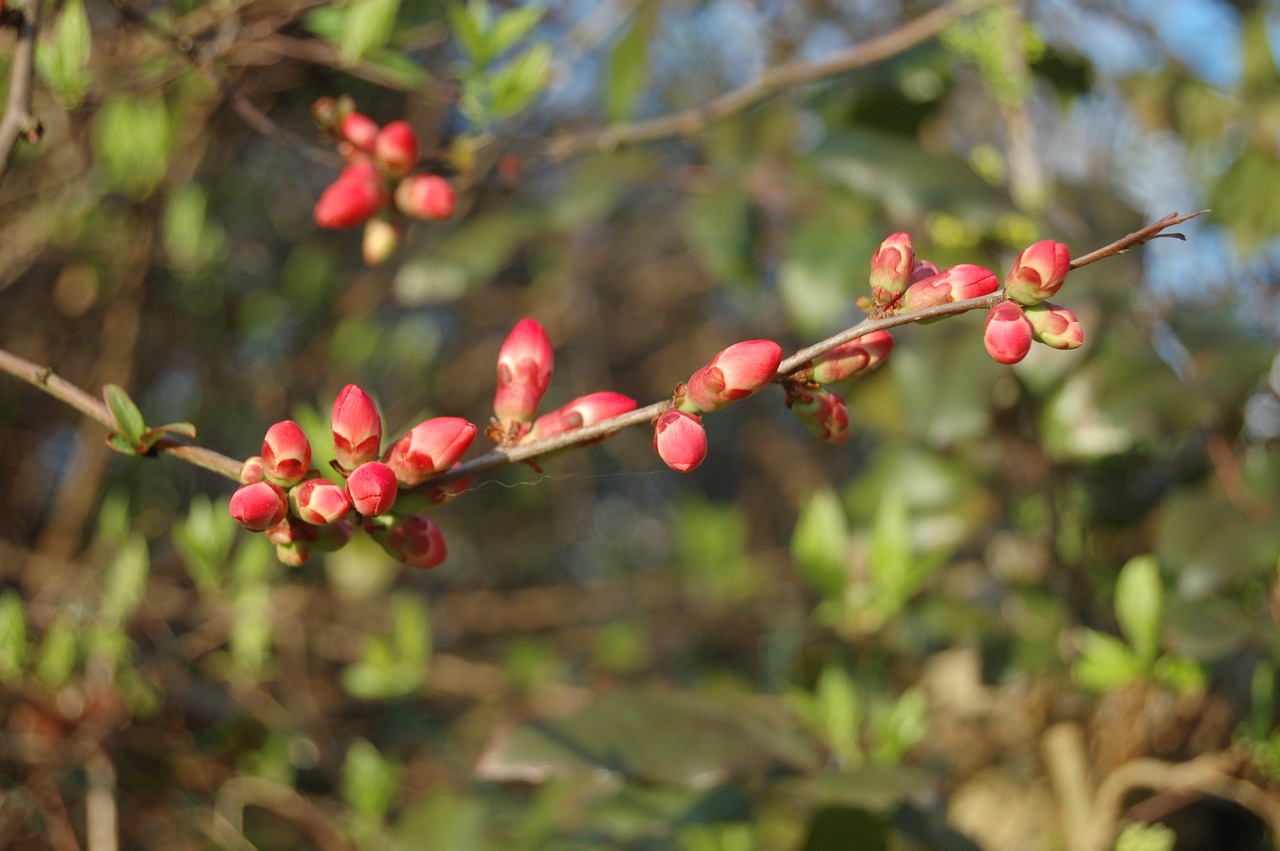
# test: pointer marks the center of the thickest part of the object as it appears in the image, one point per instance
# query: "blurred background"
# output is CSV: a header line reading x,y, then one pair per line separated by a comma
x,y
964,628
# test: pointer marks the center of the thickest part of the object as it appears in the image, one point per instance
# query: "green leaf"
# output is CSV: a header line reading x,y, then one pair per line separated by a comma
x,y
126,413
59,652
190,239
204,540
838,714
470,30
411,632
126,583
369,781
819,542
367,27
629,64
519,81
1140,606
1179,673
64,52
901,727
891,555
13,637
1140,836
1107,662
513,25
131,137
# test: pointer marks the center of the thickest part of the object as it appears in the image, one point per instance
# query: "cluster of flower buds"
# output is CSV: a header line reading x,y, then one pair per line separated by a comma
x,y
376,187
1013,325
301,511
821,409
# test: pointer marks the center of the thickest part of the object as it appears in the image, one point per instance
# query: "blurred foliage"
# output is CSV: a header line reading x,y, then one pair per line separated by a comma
x,y
797,646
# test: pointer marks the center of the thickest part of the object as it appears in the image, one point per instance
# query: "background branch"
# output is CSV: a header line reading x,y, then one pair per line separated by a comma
x,y
18,122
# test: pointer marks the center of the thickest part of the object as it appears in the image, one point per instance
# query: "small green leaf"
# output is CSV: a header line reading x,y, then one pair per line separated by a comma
x,y
513,25
64,52
891,544
1107,662
126,583
1182,674
411,632
13,637
470,34
59,652
368,25
131,137
629,64
819,541
1140,605
519,81
839,714
126,413
150,436
369,781
204,540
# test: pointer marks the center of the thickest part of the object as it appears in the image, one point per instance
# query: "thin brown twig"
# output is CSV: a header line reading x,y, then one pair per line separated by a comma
x,y
690,122
18,121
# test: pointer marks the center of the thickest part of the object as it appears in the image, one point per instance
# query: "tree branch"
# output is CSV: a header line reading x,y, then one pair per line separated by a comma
x,y
18,122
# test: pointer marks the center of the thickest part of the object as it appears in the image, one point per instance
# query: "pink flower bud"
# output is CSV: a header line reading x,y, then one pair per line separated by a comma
x,y
396,147
679,439
524,371
429,448
1055,326
253,470
822,411
583,411
891,268
357,428
1038,272
922,269
1007,334
360,131
259,506
286,453
413,539
957,283
291,530
381,239
356,195
733,374
319,502
426,196
853,358
293,554
372,488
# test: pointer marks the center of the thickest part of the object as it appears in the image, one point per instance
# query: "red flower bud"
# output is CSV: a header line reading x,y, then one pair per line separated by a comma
x,y
822,411
733,374
1038,272
1007,334
679,439
524,371
583,411
429,448
426,196
381,239
413,539
957,283
286,453
1055,326
253,470
357,428
360,131
891,268
356,195
372,488
922,269
853,358
259,506
396,147
319,501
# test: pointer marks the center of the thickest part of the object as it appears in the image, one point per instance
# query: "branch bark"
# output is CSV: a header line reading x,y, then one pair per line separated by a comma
x,y
18,121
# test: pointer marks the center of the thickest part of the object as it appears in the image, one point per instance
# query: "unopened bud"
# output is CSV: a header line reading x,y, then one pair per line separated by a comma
x,y
822,411
286,453
853,358
357,194
429,449
922,269
253,470
581,412
413,539
1038,272
1007,333
1056,327
372,488
259,506
891,268
680,440
357,428
396,147
426,196
359,131
319,502
957,283
735,373
524,371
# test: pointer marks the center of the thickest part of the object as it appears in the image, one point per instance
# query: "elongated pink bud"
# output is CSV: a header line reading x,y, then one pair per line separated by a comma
x,y
957,283
357,428
733,374
1007,333
372,488
350,200
583,411
524,371
286,453
680,440
396,147
259,506
428,449
319,502
891,268
853,358
413,539
1055,326
822,411
1038,272
426,196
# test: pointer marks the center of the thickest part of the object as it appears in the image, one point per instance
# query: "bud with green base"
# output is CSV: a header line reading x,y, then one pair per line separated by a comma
x,y
1054,326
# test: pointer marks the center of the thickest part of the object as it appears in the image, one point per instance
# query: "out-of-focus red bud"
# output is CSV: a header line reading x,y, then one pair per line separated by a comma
x,y
372,488
1038,272
922,269
396,147
332,536
413,539
357,194
259,506
853,358
360,131
286,453
957,283
381,239
733,374
253,470
426,196
1056,327
525,362
357,428
822,411
1007,334
581,412
428,449
680,440
891,268
319,502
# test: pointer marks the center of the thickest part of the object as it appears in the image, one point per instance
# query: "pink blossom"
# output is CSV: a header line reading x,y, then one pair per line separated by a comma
x,y
372,488
286,453
319,501
957,283
1055,326
1038,272
853,358
891,268
581,412
396,147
